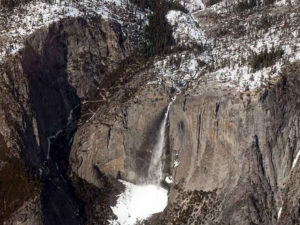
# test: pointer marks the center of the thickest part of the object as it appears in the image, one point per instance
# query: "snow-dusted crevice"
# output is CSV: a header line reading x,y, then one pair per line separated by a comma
x,y
169,180
71,115
138,202
50,140
176,163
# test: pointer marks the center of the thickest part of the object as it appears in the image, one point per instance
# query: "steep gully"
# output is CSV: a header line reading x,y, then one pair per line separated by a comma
x,y
42,89
57,108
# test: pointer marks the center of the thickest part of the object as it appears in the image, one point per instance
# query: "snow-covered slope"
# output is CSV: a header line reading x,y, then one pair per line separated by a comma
x,y
185,30
24,20
231,45
16,25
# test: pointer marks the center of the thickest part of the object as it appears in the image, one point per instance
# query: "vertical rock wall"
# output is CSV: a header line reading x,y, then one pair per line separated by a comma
x,y
240,146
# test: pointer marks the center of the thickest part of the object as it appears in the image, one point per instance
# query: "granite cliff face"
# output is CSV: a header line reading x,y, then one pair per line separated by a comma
x,y
234,151
81,105
41,94
120,141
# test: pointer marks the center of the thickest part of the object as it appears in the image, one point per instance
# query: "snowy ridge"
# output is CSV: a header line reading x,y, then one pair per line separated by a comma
x,y
181,67
25,19
229,54
226,6
28,18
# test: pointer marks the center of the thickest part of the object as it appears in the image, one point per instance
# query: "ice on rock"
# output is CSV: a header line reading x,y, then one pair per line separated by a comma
x,y
176,163
169,180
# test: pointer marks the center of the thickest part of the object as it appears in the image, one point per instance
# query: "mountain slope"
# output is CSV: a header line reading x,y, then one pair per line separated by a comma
x,y
85,86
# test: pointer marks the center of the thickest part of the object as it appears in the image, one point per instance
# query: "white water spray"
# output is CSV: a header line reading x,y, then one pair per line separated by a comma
x,y
156,166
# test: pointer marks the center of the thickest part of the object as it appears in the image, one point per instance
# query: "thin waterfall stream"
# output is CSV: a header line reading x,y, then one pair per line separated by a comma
x,y
156,166
138,202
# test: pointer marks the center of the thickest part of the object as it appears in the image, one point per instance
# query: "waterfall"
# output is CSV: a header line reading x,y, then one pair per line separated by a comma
x,y
156,166
138,202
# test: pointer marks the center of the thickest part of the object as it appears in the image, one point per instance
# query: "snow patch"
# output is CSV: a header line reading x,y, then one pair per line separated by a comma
x,y
176,163
244,78
169,180
185,30
138,202
178,69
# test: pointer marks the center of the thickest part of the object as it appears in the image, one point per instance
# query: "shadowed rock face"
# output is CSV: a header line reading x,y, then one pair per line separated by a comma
x,y
42,89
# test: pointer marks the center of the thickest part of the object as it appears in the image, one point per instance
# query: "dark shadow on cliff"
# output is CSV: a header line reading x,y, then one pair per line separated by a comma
x,y
57,108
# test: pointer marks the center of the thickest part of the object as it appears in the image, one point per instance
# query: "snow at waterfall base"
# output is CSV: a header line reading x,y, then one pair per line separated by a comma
x,y
138,202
